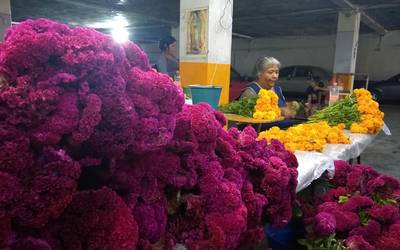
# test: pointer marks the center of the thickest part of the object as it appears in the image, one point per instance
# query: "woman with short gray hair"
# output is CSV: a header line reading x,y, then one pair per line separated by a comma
x,y
267,74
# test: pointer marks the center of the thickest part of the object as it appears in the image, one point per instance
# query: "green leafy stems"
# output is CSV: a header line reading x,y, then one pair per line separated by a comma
x,y
344,111
243,107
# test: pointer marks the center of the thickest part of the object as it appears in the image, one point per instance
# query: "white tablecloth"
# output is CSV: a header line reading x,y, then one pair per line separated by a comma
x,y
359,143
312,164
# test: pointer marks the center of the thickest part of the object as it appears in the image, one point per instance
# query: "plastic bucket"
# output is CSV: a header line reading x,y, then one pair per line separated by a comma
x,y
206,93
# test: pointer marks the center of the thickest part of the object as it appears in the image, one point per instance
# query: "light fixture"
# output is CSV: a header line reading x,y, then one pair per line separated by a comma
x,y
120,34
117,25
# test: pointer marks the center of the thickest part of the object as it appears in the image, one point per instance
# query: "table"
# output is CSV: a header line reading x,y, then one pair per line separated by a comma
x,y
313,164
359,143
311,167
243,119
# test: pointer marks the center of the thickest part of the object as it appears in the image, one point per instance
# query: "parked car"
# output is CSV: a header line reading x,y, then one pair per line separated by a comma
x,y
294,80
387,90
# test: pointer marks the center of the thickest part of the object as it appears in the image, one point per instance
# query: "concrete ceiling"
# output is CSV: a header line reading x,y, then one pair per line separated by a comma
x,y
147,20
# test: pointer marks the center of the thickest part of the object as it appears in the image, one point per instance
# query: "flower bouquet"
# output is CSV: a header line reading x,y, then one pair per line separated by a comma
x,y
359,112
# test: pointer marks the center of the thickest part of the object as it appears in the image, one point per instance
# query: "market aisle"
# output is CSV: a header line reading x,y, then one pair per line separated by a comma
x,y
384,152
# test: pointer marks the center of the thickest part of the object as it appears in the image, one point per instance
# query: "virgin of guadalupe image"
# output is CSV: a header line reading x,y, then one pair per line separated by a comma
x,y
196,33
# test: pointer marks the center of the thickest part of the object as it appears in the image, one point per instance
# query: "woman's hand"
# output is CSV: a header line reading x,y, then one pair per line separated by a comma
x,y
290,110
288,113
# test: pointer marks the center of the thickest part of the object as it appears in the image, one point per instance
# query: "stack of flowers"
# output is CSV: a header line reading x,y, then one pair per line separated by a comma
x,y
371,120
361,211
263,106
267,106
307,137
359,112
90,160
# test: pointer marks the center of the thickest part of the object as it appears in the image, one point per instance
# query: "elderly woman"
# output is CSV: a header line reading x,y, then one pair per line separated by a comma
x,y
267,74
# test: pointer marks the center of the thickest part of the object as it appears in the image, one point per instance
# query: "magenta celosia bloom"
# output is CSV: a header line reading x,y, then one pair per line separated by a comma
x,y
136,56
383,184
358,178
75,104
390,239
78,84
94,220
370,232
325,223
7,236
151,219
345,220
333,194
41,190
357,242
384,213
255,203
341,170
272,168
10,189
355,203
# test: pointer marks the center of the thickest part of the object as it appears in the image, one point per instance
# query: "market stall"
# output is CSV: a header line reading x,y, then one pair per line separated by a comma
x,y
99,151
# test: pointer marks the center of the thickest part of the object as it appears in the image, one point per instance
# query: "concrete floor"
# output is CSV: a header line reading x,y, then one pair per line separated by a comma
x,y
384,152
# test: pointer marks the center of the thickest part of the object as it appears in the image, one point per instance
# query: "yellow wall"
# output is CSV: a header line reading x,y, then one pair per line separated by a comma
x,y
206,74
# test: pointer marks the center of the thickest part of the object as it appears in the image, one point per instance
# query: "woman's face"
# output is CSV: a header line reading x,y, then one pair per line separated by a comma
x,y
269,76
171,49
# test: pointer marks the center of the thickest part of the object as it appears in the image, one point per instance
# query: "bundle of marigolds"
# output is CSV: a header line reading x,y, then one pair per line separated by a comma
x,y
267,106
307,137
359,112
90,160
371,120
360,211
263,106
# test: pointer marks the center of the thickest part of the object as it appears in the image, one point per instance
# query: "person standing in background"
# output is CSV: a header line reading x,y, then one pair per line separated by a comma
x,y
167,62
312,98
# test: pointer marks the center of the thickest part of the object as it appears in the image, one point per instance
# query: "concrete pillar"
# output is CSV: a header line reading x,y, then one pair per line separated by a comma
x,y
5,17
346,48
205,43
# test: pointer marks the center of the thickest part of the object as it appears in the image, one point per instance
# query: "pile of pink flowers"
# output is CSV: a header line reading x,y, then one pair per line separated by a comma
x,y
98,151
361,210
